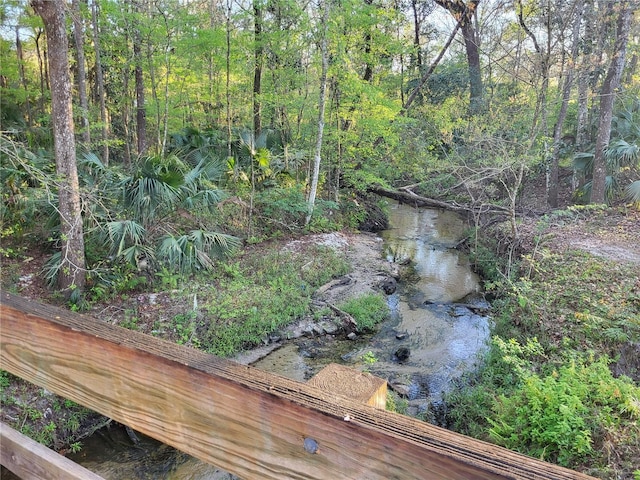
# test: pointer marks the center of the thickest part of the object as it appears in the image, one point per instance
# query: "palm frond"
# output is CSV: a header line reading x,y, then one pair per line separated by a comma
x,y
92,162
175,252
195,250
206,199
620,153
220,244
632,193
609,188
122,234
51,268
583,161
135,254
149,196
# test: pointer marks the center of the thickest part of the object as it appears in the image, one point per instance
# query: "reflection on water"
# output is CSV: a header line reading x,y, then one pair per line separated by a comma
x,y
112,454
427,238
443,339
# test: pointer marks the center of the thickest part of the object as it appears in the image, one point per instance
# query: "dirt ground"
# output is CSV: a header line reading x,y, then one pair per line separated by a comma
x,y
613,234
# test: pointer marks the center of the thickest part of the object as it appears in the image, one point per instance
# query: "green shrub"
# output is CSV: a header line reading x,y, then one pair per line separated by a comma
x,y
557,417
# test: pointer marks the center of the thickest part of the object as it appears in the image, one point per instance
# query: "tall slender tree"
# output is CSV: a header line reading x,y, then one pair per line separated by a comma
x,y
100,89
81,80
72,273
317,158
258,62
552,190
23,76
625,10
464,13
141,107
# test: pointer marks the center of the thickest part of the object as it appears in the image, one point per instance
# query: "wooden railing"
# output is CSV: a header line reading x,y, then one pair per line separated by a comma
x,y
251,423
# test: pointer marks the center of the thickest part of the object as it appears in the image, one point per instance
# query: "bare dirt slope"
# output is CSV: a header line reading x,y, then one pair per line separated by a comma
x,y
364,253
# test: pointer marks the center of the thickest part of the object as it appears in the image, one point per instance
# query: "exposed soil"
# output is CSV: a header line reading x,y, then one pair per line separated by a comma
x,y
363,251
613,234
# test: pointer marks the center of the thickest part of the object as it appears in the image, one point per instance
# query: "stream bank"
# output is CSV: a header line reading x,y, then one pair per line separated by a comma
x,y
431,316
438,323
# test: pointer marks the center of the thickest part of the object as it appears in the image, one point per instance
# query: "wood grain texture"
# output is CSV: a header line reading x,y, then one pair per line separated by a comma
x,y
236,417
361,387
30,460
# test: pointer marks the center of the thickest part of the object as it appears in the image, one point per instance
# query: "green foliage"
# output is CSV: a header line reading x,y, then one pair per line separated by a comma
x,y
488,265
565,296
150,231
260,295
395,403
555,402
450,80
130,320
622,154
184,326
367,310
194,251
280,209
59,426
632,193
369,358
325,217
5,379
556,416
323,264
28,185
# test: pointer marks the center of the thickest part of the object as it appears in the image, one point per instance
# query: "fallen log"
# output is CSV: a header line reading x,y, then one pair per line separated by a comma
x,y
406,195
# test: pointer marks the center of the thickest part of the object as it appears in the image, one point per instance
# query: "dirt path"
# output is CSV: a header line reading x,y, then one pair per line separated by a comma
x,y
613,234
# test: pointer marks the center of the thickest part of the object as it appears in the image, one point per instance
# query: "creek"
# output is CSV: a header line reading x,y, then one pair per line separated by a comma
x,y
436,330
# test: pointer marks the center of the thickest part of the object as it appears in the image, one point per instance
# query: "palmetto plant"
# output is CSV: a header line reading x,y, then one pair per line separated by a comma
x,y
153,218
622,155
162,198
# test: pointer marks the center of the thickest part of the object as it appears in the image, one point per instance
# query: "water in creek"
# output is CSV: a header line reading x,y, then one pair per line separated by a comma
x,y
434,334
431,339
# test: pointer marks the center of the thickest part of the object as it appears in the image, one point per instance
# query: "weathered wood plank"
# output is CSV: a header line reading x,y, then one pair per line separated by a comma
x,y
236,417
349,383
29,459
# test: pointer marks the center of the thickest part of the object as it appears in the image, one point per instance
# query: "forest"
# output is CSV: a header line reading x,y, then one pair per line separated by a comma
x,y
145,142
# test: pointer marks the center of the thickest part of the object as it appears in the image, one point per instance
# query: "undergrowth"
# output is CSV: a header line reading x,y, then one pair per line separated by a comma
x,y
367,310
251,299
551,385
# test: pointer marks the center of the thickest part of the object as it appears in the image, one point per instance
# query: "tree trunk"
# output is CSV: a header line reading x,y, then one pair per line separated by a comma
x,y
416,36
324,48
541,104
476,98
141,110
464,14
43,70
228,86
78,38
430,70
100,85
23,77
552,193
72,273
126,102
607,99
167,75
257,67
367,76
